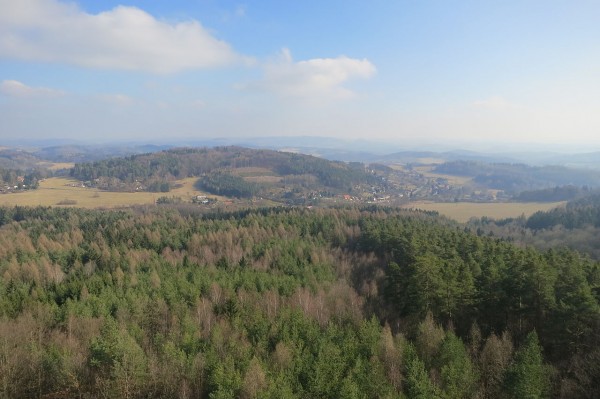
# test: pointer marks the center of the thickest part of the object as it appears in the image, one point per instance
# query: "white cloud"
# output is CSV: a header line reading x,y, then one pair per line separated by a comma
x,y
314,78
124,38
14,88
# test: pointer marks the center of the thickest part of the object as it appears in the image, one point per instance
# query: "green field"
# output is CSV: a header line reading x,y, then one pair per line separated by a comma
x,y
463,211
427,171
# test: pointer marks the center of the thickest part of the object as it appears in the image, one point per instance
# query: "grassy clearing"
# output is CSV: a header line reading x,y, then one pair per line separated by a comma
x,y
65,192
397,166
427,171
463,211
454,180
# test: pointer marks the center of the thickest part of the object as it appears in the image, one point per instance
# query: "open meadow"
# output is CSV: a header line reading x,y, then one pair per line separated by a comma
x,y
463,211
427,171
67,192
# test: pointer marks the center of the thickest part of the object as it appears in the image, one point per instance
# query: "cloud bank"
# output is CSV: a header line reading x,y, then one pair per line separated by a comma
x,y
314,78
124,38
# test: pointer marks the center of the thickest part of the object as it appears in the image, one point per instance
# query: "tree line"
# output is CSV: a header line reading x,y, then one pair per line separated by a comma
x,y
575,225
21,179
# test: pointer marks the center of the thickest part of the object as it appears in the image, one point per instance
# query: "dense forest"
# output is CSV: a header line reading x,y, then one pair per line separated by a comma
x,y
554,194
283,303
576,214
224,183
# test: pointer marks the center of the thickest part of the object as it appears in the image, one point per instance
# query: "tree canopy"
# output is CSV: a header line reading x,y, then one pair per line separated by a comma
x,y
272,303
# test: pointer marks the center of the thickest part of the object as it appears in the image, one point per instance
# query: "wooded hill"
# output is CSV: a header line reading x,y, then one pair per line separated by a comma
x,y
88,153
20,169
18,159
286,303
576,225
514,178
576,214
155,171
554,194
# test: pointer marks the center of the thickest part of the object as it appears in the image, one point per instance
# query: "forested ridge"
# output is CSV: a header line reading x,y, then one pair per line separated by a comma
x,y
283,303
554,194
514,178
575,225
155,169
576,214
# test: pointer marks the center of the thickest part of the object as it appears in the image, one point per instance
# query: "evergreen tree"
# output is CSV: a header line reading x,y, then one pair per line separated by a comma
x,y
528,376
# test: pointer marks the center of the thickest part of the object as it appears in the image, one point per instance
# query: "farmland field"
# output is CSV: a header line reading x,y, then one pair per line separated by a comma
x,y
427,171
65,192
463,211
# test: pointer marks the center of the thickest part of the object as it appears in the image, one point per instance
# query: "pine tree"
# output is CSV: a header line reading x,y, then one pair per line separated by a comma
x,y
528,377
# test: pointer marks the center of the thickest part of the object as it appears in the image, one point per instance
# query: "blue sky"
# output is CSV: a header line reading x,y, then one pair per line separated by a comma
x,y
411,72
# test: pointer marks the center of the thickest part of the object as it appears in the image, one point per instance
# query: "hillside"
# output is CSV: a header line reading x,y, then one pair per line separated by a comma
x,y
576,225
514,178
89,153
20,170
232,171
287,303
268,176
18,159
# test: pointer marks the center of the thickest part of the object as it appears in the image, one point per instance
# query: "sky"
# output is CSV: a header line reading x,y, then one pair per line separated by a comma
x,y
467,73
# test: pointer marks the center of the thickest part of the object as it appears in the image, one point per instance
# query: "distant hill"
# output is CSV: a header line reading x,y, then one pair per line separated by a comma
x,y
360,150
18,159
554,194
446,156
234,171
519,177
87,153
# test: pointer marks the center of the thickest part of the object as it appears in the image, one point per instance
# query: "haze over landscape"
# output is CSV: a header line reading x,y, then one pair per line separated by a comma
x,y
465,74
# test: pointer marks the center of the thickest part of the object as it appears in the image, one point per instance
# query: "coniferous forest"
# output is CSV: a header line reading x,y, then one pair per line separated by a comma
x,y
285,303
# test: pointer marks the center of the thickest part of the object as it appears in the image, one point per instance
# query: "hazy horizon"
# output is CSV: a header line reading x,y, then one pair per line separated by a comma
x,y
291,143
467,75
